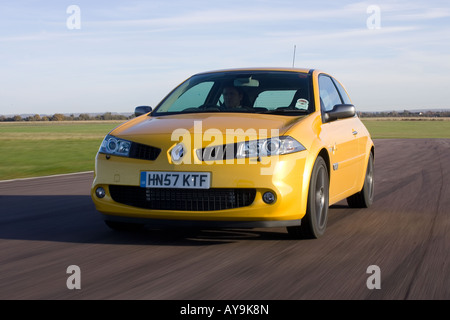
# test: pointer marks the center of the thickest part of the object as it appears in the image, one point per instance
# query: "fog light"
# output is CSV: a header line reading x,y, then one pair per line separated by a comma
x,y
100,192
269,197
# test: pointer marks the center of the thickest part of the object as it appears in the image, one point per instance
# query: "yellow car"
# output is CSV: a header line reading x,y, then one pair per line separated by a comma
x,y
238,148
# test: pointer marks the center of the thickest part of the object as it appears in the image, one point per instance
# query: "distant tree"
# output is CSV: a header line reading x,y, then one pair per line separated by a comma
x,y
17,118
35,117
84,116
107,116
58,117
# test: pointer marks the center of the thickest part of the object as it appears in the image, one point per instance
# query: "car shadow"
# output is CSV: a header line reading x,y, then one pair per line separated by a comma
x,y
75,219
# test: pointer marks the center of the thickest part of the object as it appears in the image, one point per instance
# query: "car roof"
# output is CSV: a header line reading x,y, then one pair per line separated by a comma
x,y
300,70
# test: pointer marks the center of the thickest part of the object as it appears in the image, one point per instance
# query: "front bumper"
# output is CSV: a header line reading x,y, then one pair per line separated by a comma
x,y
283,176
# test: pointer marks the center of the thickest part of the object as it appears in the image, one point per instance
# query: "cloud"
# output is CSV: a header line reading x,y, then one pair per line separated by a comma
x,y
244,15
419,14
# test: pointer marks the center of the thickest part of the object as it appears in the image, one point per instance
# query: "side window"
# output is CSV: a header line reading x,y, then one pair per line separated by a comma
x,y
193,97
343,93
329,96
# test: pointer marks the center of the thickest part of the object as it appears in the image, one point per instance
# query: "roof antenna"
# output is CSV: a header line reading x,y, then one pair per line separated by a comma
x,y
293,59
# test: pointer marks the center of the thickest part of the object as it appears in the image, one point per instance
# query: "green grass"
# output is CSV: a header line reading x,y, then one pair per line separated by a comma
x,y
38,149
30,149
408,129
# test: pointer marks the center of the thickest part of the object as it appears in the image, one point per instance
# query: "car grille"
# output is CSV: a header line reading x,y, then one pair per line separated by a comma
x,y
143,152
182,199
217,153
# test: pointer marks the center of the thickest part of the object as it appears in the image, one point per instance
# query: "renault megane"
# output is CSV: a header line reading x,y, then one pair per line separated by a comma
x,y
257,147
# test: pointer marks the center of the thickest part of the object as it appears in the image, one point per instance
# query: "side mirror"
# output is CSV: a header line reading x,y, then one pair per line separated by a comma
x,y
340,111
139,111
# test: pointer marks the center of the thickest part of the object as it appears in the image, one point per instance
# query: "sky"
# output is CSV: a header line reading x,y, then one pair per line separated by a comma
x,y
100,56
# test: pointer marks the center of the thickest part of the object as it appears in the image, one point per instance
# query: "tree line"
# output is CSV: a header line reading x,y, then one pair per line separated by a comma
x,y
406,114
62,117
121,117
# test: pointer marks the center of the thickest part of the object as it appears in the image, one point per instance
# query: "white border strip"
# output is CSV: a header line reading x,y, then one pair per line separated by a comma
x,y
43,177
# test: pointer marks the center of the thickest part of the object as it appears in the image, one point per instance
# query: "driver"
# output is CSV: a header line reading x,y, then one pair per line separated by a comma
x,y
232,97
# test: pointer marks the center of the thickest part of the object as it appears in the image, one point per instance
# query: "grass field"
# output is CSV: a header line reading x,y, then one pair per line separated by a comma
x,y
30,149
408,128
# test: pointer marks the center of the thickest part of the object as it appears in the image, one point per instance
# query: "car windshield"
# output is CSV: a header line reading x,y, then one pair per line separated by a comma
x,y
274,92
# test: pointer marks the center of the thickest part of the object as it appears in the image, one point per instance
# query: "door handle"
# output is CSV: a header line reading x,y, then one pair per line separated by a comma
x,y
355,132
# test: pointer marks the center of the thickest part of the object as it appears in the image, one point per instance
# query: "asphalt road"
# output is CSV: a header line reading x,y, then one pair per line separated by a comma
x,y
49,224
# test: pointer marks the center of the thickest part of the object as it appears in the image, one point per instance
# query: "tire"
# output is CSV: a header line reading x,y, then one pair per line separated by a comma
x,y
123,226
364,198
314,222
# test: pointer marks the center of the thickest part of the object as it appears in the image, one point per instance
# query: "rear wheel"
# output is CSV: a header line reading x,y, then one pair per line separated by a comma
x,y
314,222
364,198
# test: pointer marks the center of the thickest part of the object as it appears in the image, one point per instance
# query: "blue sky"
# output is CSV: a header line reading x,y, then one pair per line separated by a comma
x,y
129,53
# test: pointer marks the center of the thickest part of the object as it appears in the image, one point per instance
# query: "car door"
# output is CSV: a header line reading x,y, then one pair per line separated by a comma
x,y
341,141
359,131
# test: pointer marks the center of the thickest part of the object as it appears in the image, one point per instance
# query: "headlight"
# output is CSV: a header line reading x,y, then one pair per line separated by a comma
x,y
115,146
268,147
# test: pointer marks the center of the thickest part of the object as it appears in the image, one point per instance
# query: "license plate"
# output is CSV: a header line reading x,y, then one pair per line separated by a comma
x,y
181,180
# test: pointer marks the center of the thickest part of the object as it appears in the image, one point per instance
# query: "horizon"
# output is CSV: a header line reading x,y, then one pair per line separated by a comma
x,y
128,113
96,57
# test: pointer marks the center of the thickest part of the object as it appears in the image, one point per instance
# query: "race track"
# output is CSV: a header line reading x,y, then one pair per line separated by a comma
x,y
48,224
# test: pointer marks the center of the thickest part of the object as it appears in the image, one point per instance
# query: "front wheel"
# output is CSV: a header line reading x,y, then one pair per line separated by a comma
x,y
314,222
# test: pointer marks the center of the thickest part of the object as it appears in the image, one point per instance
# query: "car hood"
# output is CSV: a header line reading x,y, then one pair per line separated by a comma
x,y
232,123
